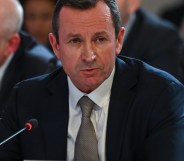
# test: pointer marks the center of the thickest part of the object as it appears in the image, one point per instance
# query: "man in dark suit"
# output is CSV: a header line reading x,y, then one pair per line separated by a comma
x,y
21,56
138,110
175,14
151,39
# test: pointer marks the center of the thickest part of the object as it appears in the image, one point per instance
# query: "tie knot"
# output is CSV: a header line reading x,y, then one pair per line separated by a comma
x,y
86,105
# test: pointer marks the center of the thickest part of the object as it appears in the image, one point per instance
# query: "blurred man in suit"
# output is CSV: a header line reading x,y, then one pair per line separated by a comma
x,y
137,112
150,38
175,14
21,57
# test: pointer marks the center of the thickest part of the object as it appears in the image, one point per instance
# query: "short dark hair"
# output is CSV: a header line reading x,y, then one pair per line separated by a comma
x,y
86,4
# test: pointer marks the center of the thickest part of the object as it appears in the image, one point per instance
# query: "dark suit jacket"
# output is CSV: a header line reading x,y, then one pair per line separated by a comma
x,y
31,59
175,14
156,42
145,119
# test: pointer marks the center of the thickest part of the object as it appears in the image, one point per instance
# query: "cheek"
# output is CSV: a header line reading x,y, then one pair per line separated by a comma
x,y
108,62
68,61
68,66
68,54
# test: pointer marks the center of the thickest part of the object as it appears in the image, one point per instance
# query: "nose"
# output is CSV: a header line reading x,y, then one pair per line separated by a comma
x,y
88,53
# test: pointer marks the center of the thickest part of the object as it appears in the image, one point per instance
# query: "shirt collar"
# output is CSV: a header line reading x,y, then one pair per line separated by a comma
x,y
97,96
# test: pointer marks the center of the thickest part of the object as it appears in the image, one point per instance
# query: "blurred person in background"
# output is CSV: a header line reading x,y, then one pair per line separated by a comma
x,y
38,18
150,38
175,15
21,57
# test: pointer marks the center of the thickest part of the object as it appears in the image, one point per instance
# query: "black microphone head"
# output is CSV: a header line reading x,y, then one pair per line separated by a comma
x,y
31,124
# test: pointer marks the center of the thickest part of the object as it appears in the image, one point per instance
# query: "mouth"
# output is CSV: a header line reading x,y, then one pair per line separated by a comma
x,y
90,71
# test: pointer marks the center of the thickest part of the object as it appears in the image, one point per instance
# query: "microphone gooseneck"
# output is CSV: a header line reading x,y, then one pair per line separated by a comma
x,y
29,125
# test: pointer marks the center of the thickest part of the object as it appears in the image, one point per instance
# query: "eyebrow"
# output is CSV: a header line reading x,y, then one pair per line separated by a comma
x,y
73,35
79,35
100,33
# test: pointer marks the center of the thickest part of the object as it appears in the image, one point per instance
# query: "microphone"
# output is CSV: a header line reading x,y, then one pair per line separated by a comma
x,y
29,125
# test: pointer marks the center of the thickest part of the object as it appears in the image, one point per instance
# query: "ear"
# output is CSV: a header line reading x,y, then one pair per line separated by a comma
x,y
119,40
54,44
13,43
133,5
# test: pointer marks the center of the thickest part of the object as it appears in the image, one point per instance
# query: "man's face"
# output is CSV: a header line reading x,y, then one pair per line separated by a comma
x,y
38,19
82,34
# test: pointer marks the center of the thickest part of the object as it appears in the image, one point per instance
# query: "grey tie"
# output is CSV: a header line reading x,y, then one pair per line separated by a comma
x,y
86,146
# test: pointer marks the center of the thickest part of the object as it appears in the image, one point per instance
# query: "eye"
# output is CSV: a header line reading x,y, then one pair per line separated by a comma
x,y
75,41
101,39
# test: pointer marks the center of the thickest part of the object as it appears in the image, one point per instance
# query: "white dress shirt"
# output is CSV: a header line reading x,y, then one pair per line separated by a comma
x,y
100,97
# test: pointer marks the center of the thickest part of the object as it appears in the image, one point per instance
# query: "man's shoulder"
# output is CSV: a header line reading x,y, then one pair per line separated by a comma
x,y
144,73
41,81
142,79
152,23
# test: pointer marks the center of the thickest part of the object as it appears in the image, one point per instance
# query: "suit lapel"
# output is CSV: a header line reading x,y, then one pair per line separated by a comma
x,y
55,117
120,104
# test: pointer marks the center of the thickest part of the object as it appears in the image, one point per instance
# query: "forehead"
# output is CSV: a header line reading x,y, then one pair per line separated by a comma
x,y
96,16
